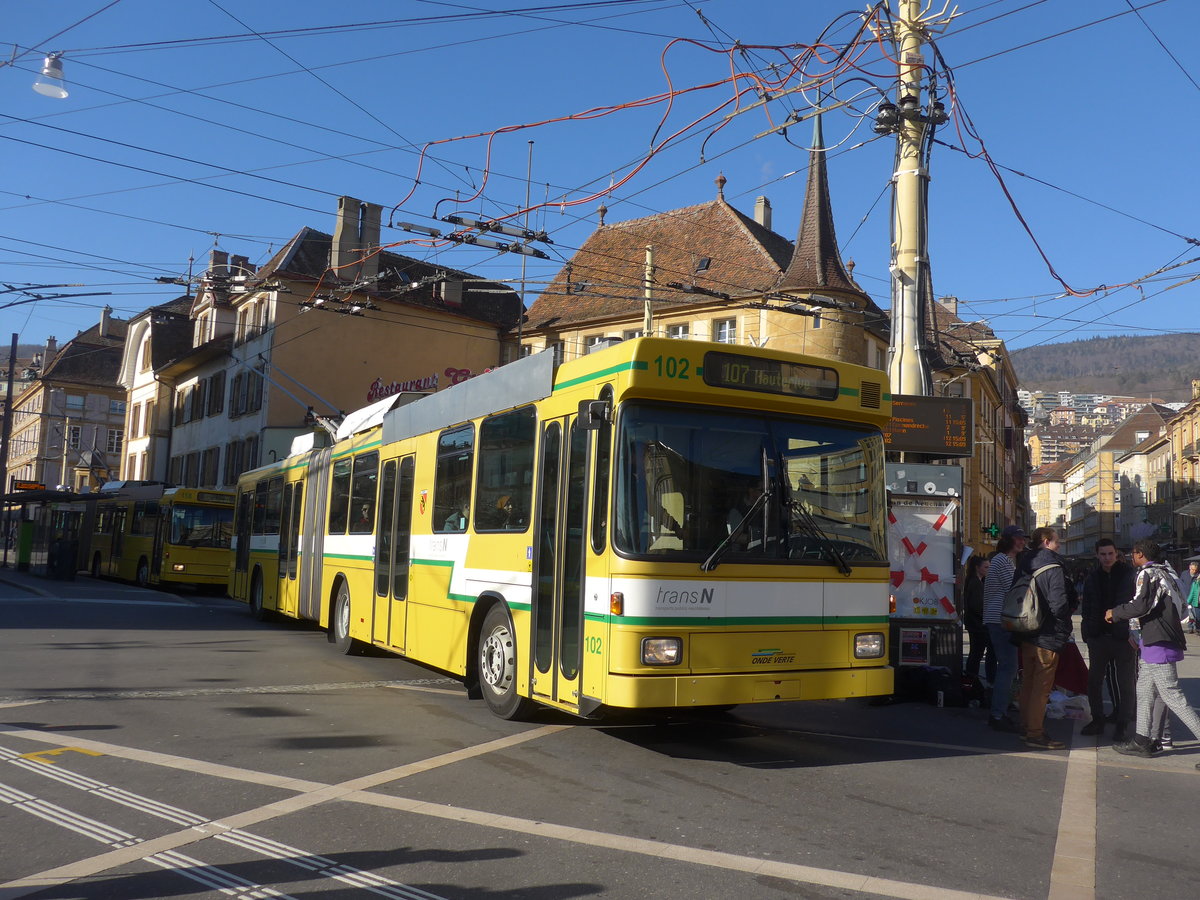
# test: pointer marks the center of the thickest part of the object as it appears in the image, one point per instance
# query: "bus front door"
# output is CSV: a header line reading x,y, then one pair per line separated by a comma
x,y
558,565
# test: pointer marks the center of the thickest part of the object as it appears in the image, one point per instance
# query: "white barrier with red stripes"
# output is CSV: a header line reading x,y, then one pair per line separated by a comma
x,y
921,550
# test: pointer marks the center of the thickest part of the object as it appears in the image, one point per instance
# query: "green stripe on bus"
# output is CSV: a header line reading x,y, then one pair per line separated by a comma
x,y
636,364
445,563
354,556
351,451
848,391
726,621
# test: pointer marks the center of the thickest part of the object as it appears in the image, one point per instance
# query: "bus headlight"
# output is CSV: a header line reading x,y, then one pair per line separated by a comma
x,y
662,651
868,646
177,567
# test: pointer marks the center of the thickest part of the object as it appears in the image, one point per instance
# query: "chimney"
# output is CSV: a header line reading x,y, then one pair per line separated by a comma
x,y
218,263
1195,386
105,316
355,235
950,303
240,265
762,212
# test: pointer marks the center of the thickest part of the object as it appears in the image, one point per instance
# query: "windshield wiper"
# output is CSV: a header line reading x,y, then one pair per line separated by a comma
x,y
714,558
809,524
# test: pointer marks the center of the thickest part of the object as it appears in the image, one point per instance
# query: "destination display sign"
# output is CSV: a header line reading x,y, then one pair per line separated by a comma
x,y
770,376
28,486
939,426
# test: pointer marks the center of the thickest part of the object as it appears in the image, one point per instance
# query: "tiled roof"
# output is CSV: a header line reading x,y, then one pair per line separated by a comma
x,y
1150,417
710,246
1055,471
89,358
306,257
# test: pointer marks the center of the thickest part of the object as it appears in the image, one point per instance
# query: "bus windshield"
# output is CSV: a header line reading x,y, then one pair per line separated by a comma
x,y
690,480
201,526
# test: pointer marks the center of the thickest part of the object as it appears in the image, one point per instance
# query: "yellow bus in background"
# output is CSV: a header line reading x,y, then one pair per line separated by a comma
x,y
151,534
657,524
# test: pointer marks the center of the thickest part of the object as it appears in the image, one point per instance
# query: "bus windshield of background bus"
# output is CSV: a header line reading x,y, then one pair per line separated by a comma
x,y
201,526
687,477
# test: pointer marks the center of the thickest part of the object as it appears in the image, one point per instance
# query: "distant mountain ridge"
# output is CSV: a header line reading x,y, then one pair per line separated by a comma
x,y
1158,365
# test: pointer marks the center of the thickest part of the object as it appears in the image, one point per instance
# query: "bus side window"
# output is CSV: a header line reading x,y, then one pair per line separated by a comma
x,y
600,500
362,493
260,507
274,505
505,479
452,481
403,534
339,496
294,533
285,517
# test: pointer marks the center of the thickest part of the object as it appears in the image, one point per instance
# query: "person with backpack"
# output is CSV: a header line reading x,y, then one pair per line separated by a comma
x,y
1040,648
1108,584
999,579
1156,605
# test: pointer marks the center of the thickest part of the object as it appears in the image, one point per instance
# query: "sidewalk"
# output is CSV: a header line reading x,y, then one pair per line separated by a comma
x,y
83,587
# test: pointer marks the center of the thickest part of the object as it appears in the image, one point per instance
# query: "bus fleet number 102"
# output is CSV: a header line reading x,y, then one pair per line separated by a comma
x,y
672,367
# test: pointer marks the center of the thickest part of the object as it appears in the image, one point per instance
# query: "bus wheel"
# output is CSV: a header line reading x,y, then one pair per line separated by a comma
x,y
142,578
497,659
339,627
256,598
96,566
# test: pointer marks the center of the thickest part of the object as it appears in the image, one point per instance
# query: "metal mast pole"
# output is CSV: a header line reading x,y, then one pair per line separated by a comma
x,y
908,367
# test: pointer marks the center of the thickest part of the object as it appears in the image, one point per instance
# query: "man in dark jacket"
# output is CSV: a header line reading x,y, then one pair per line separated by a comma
x,y
1040,649
1109,584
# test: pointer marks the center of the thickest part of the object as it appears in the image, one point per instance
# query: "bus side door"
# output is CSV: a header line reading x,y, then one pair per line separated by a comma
x,y
558,564
287,598
393,530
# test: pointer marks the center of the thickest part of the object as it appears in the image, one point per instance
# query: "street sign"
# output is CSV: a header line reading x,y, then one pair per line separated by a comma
x,y
940,426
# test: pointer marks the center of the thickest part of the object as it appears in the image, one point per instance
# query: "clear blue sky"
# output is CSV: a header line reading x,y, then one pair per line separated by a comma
x,y
175,139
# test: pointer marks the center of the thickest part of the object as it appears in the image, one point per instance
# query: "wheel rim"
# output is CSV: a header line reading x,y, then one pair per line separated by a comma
x,y
343,616
496,663
256,596
143,575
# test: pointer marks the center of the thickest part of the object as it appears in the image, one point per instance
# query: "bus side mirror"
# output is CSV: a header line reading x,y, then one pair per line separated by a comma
x,y
594,414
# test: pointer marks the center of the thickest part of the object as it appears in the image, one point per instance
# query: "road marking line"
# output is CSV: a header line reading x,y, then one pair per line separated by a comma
x,y
357,790
65,818
1073,874
327,868
9,704
901,742
429,690
313,795
151,693
752,865
210,876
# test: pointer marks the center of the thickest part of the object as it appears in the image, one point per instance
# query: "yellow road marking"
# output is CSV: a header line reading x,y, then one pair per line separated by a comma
x,y
37,755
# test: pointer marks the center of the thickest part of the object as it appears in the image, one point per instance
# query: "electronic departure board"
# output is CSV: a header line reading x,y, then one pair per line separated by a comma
x,y
940,426
771,376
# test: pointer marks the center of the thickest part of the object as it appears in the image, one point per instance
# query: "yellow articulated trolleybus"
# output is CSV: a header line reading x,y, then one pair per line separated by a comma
x,y
151,534
658,524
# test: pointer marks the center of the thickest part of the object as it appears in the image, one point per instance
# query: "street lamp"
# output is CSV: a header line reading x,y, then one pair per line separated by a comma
x,y
49,82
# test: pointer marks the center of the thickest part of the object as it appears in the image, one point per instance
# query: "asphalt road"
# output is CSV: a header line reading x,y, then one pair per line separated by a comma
x,y
154,745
